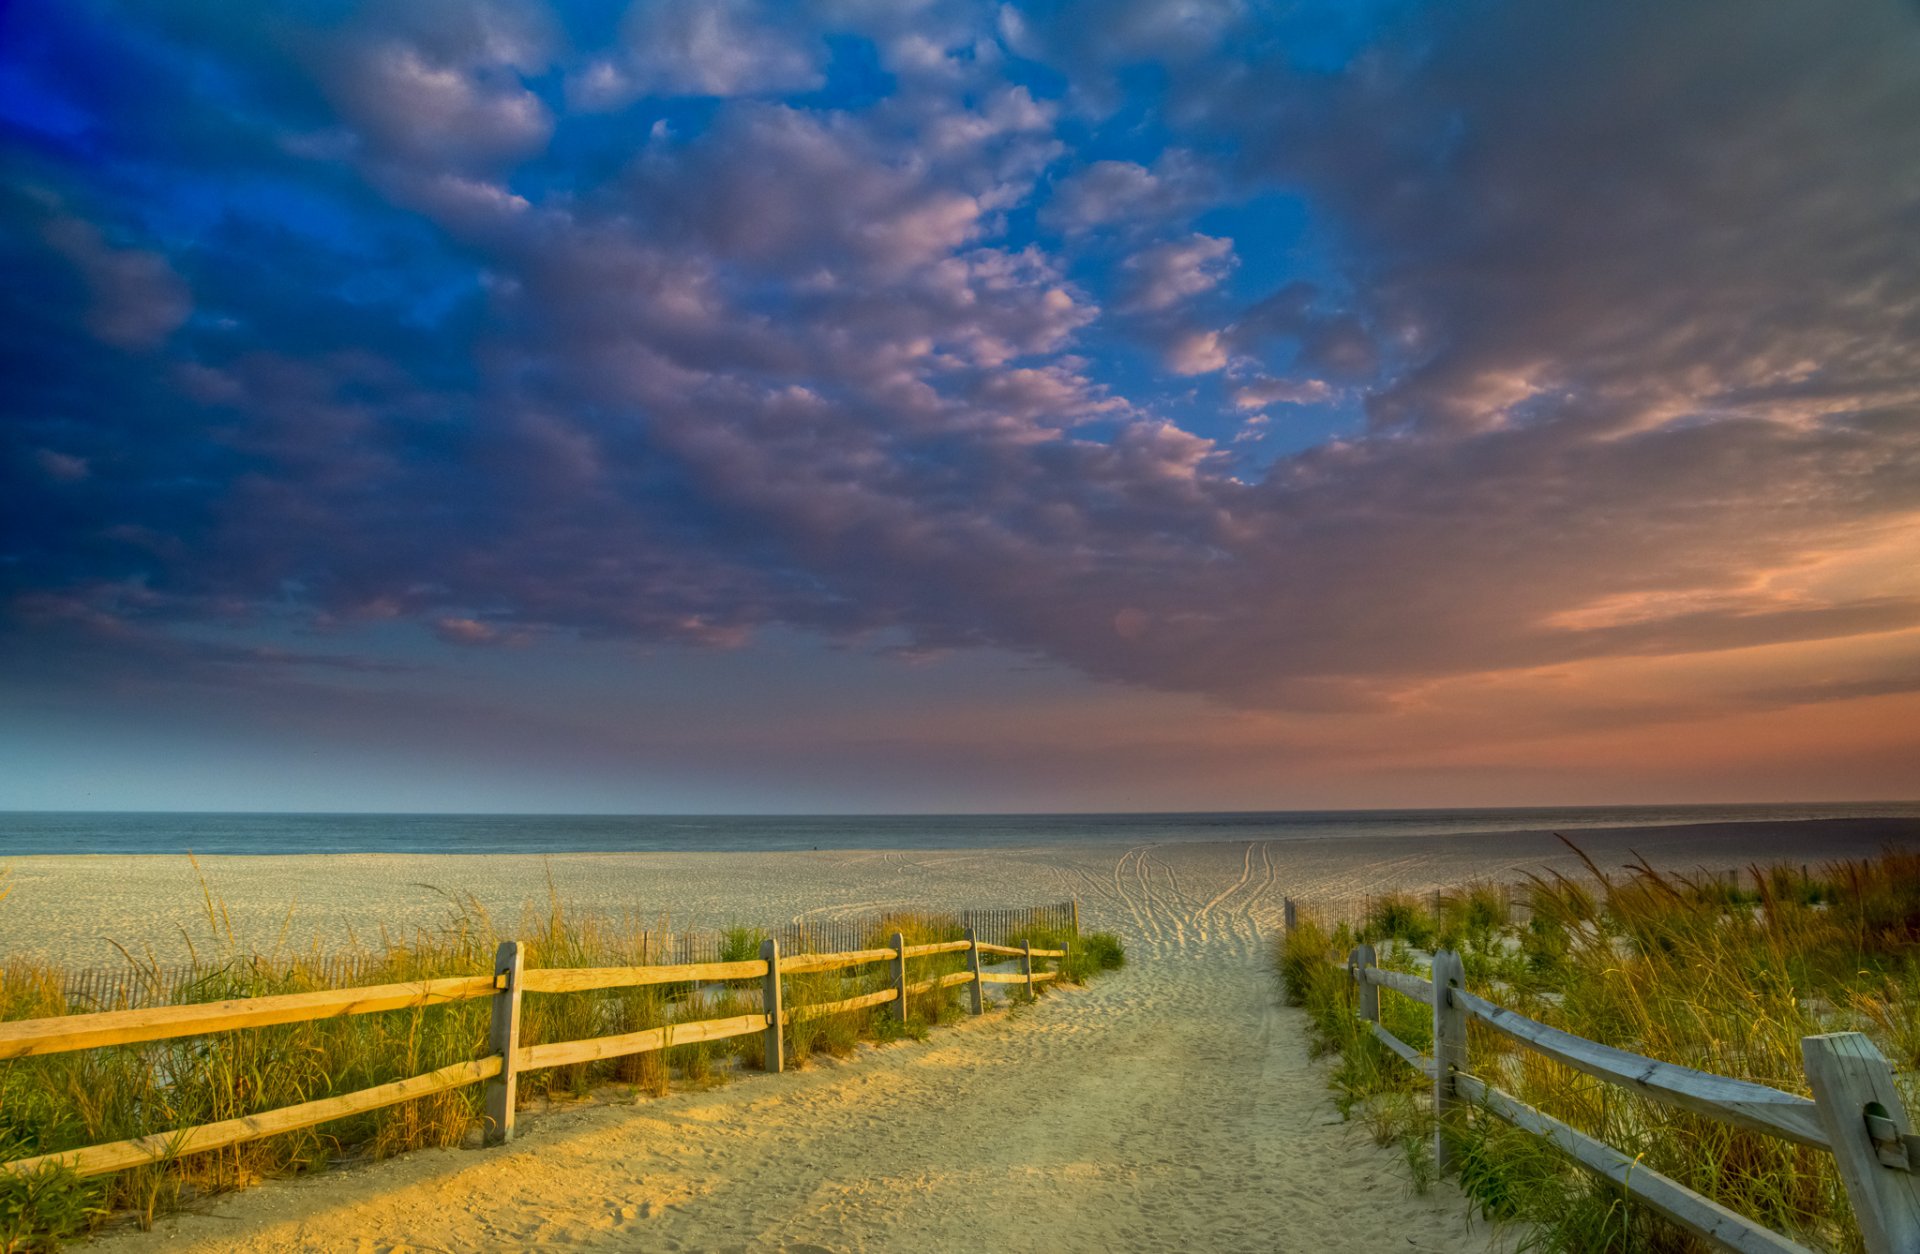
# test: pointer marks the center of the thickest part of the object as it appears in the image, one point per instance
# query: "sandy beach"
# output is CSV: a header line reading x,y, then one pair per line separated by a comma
x,y
1170,1106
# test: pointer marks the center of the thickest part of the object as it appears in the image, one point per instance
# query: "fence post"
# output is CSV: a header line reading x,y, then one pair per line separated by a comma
x,y
1076,916
1026,965
973,969
1449,1055
504,1040
899,943
1362,958
1289,916
1867,1124
774,1006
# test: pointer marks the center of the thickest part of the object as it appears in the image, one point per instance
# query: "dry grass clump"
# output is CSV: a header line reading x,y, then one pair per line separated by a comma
x,y
1685,968
68,1101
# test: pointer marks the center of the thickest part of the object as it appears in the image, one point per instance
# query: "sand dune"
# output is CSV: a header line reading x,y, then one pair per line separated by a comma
x,y
1169,1107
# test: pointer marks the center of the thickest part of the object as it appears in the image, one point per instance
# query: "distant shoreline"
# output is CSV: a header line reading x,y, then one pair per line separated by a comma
x,y
1852,828
68,907
210,835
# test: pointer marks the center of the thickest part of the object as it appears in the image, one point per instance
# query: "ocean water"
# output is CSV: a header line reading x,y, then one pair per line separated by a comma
x,y
23,833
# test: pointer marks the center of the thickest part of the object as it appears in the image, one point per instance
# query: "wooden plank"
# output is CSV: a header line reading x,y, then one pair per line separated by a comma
x,y
800,1014
1708,1219
23,1037
1358,963
1738,1102
1852,1081
899,967
977,1002
1400,982
1040,976
503,1038
1449,1056
773,1053
1011,951
806,964
595,1048
99,1160
941,981
938,947
1414,1058
1049,953
1002,977
585,979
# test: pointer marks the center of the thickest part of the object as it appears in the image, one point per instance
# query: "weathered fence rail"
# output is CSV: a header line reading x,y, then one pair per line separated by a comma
x,y
130,987
1856,1112
507,1057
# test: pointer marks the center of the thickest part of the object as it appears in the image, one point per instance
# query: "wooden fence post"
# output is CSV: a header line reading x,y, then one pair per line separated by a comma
x,y
504,1040
1873,1143
1289,915
973,969
772,1004
1449,1055
1026,965
899,943
1363,957
1076,916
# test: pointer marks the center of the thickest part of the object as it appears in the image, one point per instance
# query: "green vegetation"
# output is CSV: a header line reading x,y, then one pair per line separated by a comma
x,y
1683,968
1094,953
67,1101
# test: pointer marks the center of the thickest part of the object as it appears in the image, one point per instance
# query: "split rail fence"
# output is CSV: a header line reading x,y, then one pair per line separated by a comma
x,y
506,1059
1856,1112
125,987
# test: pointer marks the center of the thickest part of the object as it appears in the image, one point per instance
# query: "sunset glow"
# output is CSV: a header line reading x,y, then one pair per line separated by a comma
x,y
958,406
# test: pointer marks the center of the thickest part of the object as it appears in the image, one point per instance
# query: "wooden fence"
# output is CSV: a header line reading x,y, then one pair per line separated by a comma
x,y
506,1057
127,987
1856,1112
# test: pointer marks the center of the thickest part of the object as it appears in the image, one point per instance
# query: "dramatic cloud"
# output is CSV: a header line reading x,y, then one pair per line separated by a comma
x,y
1597,333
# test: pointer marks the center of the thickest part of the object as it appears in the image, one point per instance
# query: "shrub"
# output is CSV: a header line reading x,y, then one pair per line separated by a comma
x,y
1101,951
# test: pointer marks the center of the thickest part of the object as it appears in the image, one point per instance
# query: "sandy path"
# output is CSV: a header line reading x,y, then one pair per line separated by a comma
x,y
1169,1107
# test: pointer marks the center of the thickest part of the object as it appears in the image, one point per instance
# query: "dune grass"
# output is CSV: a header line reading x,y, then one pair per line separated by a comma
x,y
67,1101
1683,968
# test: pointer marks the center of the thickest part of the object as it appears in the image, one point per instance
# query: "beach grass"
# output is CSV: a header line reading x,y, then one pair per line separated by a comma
x,y
1685,968
67,1101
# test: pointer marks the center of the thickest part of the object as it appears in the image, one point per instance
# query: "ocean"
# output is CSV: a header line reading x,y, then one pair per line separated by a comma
x,y
24,833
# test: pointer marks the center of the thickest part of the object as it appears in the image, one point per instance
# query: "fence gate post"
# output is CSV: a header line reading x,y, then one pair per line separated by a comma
x,y
504,1040
973,969
899,943
1873,1142
1449,1055
774,1007
1026,965
1369,993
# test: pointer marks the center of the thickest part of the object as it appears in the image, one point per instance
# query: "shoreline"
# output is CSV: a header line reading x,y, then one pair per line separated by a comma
x,y
67,908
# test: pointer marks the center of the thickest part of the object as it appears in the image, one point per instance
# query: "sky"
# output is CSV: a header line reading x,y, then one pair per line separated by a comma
x,y
896,405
